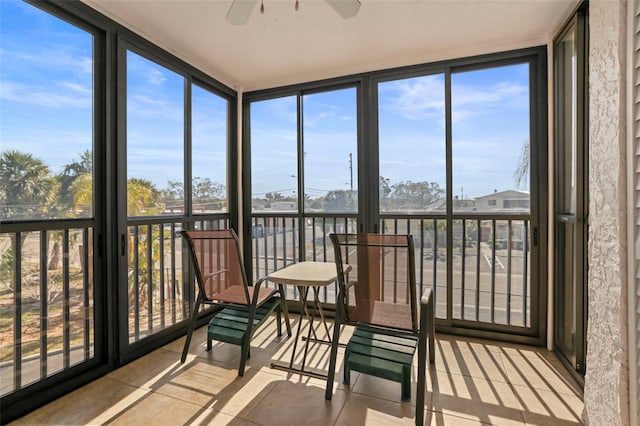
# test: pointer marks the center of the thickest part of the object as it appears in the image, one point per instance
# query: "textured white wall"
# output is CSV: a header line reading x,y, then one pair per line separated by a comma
x,y
606,380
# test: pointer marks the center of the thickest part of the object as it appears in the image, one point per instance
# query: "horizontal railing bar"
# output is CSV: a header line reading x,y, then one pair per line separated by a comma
x,y
9,226
459,216
152,220
304,215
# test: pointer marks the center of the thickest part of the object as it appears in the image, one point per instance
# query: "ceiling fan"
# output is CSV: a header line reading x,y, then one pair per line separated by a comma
x,y
240,10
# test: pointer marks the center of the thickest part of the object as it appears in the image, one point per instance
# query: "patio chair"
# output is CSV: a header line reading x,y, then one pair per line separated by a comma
x,y
222,281
378,297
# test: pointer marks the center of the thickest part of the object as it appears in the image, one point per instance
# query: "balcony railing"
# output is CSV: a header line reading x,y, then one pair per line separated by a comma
x,y
46,300
486,266
159,286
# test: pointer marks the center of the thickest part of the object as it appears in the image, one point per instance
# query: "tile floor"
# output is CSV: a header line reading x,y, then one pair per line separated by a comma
x,y
473,382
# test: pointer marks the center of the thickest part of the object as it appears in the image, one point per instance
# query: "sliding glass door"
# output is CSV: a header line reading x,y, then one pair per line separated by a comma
x,y
453,154
571,201
457,155
304,177
52,223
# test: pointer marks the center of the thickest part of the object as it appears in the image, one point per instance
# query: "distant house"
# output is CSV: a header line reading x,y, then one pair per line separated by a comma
x,y
503,200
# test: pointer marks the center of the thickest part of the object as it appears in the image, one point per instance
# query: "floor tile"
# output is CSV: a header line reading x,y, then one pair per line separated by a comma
x,y
296,403
96,403
473,382
476,399
539,372
477,360
361,409
543,407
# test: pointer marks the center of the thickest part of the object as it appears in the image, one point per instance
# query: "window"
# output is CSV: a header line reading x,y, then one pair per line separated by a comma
x,y
491,131
209,118
330,143
46,137
47,197
155,137
274,155
412,143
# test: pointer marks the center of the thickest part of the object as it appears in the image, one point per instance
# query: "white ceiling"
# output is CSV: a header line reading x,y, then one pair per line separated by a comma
x,y
282,46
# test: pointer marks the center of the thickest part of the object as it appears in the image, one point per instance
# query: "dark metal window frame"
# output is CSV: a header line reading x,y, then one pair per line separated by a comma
x,y
368,208
132,43
109,210
578,22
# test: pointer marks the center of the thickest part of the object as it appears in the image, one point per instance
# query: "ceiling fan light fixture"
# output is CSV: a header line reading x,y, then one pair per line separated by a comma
x,y
240,11
345,8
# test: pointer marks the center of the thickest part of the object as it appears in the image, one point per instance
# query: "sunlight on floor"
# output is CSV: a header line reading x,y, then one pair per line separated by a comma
x,y
472,382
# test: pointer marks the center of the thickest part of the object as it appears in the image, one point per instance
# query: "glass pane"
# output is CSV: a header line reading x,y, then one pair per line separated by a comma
x,y
491,163
567,123
46,141
274,155
330,135
568,235
330,151
208,151
412,144
155,136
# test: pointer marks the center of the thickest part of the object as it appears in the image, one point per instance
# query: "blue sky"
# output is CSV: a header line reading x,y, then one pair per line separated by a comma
x,y
45,85
46,99
490,111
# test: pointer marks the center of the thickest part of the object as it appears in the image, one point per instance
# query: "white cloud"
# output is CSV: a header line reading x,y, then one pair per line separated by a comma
x,y
496,94
59,95
416,98
53,58
142,105
423,98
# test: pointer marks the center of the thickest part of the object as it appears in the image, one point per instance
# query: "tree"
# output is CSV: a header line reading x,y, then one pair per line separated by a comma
x,y
207,192
143,199
82,191
204,192
385,187
72,171
522,170
273,196
414,195
339,200
173,191
27,188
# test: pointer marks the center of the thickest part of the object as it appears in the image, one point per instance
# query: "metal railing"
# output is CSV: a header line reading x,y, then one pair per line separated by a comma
x,y
485,270
487,265
159,288
46,299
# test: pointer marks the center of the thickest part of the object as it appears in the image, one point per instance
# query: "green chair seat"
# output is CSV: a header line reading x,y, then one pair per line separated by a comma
x,y
229,325
381,355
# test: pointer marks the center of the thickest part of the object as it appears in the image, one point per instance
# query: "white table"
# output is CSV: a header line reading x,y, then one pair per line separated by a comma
x,y
305,275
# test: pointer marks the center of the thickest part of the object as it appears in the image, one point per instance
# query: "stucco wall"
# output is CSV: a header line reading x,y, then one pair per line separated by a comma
x,y
606,380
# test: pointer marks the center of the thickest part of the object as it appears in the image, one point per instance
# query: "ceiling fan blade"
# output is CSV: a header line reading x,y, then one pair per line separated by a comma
x,y
240,11
345,8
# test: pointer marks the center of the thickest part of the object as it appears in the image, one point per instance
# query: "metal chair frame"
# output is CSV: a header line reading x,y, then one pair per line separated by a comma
x,y
249,300
422,327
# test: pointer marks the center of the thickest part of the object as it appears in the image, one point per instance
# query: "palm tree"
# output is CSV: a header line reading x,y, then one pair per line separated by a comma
x,y
142,198
83,167
27,188
27,191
